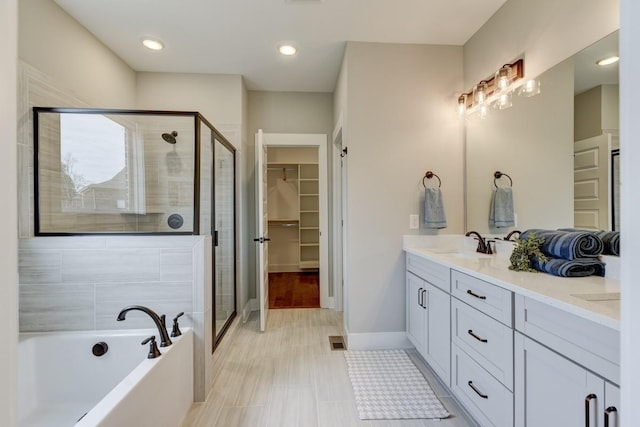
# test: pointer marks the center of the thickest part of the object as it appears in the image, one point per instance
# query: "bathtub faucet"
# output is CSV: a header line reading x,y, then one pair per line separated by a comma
x,y
165,341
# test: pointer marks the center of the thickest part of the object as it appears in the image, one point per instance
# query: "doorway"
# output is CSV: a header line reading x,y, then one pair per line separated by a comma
x,y
296,199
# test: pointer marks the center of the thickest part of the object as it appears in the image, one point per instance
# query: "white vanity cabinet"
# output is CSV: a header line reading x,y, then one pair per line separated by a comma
x,y
428,313
564,368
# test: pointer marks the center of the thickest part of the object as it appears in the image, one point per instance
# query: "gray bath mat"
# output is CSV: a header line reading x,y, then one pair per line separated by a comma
x,y
388,386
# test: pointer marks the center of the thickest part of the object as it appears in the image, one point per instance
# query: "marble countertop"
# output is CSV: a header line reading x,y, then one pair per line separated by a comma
x,y
592,297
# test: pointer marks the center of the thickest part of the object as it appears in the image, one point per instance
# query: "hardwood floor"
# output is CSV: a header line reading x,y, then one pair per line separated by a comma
x,y
289,377
294,290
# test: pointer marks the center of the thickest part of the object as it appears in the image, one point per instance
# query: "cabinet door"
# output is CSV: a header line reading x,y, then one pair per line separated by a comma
x,y
552,390
611,409
415,311
438,332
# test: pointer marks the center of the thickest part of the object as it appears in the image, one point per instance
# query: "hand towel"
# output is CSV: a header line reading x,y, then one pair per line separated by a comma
x,y
569,245
434,216
501,212
579,267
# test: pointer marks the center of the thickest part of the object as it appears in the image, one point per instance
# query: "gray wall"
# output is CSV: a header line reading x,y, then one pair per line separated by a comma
x,y
400,120
282,112
8,216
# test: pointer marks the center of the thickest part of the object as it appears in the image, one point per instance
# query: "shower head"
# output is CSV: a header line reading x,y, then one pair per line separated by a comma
x,y
170,137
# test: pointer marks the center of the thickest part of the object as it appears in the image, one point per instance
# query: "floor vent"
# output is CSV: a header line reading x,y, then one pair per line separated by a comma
x,y
337,343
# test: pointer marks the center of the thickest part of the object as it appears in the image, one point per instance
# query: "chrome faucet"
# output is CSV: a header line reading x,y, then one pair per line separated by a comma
x,y
484,247
165,341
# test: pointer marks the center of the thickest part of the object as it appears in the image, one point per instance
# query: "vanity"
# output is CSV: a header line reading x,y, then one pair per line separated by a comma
x,y
514,348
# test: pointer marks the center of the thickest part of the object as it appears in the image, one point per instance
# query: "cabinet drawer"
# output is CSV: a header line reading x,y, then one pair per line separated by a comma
x,y
432,272
488,341
592,345
490,403
489,299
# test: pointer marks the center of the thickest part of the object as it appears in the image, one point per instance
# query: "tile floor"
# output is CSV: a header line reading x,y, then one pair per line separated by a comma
x,y
288,376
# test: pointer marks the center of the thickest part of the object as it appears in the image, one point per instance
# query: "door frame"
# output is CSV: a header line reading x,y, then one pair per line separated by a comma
x,y
339,163
319,141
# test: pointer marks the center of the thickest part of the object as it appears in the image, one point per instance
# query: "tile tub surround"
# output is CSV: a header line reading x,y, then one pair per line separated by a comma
x,y
82,282
555,291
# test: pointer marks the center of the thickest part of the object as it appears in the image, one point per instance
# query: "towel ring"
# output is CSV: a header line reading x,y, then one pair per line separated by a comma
x,y
497,175
430,175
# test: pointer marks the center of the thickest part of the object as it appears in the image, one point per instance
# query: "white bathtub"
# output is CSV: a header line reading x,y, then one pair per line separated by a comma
x,y
60,380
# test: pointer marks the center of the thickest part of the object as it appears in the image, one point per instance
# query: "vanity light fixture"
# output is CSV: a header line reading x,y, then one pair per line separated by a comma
x,y
489,91
152,44
287,50
529,88
608,61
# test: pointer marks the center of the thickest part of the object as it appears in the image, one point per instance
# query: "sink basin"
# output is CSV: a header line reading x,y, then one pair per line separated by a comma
x,y
459,253
603,296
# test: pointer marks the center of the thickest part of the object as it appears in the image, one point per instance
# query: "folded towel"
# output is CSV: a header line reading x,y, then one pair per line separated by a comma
x,y
580,267
611,241
501,212
567,244
434,216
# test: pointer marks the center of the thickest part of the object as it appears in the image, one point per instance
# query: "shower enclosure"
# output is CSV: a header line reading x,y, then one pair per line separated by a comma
x,y
133,172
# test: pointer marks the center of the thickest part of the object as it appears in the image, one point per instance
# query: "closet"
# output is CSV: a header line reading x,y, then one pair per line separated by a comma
x,y
293,208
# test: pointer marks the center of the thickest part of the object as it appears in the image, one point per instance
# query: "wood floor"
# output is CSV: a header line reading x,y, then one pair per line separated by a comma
x,y
289,377
294,290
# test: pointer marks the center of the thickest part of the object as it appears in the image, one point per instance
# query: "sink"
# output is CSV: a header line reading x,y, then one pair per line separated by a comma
x,y
459,253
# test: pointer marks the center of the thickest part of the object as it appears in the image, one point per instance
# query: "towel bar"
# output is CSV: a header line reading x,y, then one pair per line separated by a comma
x,y
497,175
430,175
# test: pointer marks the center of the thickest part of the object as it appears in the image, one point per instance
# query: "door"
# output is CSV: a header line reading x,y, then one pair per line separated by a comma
x,y
611,409
437,341
554,391
591,183
261,239
415,311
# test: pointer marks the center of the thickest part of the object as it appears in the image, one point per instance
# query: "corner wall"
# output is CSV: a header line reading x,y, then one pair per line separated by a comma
x,y
401,122
8,216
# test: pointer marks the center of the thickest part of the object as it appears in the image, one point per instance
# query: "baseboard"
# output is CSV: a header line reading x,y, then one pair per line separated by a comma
x,y
329,303
284,268
378,341
251,305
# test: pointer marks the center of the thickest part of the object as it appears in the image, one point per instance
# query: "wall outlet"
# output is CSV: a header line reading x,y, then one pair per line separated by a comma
x,y
414,222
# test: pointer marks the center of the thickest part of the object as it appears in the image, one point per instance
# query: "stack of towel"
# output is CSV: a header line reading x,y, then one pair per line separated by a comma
x,y
501,211
569,253
610,239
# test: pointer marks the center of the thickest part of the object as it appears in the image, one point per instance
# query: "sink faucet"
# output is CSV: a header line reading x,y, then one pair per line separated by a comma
x,y
512,233
165,341
483,246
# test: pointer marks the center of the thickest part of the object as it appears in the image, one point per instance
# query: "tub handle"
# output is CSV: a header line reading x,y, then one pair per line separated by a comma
x,y
153,347
176,328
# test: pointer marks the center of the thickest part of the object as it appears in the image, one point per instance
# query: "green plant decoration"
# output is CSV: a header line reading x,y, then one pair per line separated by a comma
x,y
524,252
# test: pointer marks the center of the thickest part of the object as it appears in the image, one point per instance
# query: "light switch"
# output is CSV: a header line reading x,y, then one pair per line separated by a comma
x,y
414,222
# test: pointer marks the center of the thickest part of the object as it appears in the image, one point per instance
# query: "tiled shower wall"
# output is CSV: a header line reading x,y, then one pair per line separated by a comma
x,y
82,283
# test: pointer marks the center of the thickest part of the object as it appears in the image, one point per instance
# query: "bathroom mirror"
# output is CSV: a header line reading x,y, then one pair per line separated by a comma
x,y
536,141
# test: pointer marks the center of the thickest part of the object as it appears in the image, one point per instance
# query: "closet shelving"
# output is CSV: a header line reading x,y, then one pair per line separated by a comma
x,y
309,216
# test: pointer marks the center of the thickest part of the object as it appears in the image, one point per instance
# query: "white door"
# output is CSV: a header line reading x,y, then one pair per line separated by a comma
x,y
261,239
591,183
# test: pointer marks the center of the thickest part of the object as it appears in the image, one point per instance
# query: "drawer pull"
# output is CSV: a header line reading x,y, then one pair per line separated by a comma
x,y
470,332
607,414
587,408
470,292
474,388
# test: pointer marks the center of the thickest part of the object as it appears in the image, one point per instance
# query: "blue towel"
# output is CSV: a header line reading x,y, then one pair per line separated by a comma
x,y
580,267
611,241
434,216
568,245
501,212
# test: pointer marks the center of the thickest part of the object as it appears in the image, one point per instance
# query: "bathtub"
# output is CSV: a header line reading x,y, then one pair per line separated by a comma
x,y
61,382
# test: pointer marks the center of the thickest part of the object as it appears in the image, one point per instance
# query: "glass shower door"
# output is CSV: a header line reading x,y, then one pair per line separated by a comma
x,y
224,236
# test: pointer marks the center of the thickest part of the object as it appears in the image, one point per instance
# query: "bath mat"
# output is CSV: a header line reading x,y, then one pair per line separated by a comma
x,y
388,386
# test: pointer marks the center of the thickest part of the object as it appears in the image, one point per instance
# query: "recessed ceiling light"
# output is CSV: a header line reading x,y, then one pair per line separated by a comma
x,y
287,50
152,44
608,61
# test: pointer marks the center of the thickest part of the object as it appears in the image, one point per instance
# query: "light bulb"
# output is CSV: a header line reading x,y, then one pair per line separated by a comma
x,y
480,93
502,79
462,104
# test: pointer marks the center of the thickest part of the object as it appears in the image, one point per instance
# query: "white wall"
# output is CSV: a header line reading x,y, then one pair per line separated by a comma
x,y
8,216
401,122
532,142
57,45
545,31
630,177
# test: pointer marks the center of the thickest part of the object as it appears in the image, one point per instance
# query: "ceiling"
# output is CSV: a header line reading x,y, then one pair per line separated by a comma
x,y
587,73
242,36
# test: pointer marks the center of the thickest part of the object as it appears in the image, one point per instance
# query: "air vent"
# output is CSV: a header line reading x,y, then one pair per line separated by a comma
x,y
337,343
